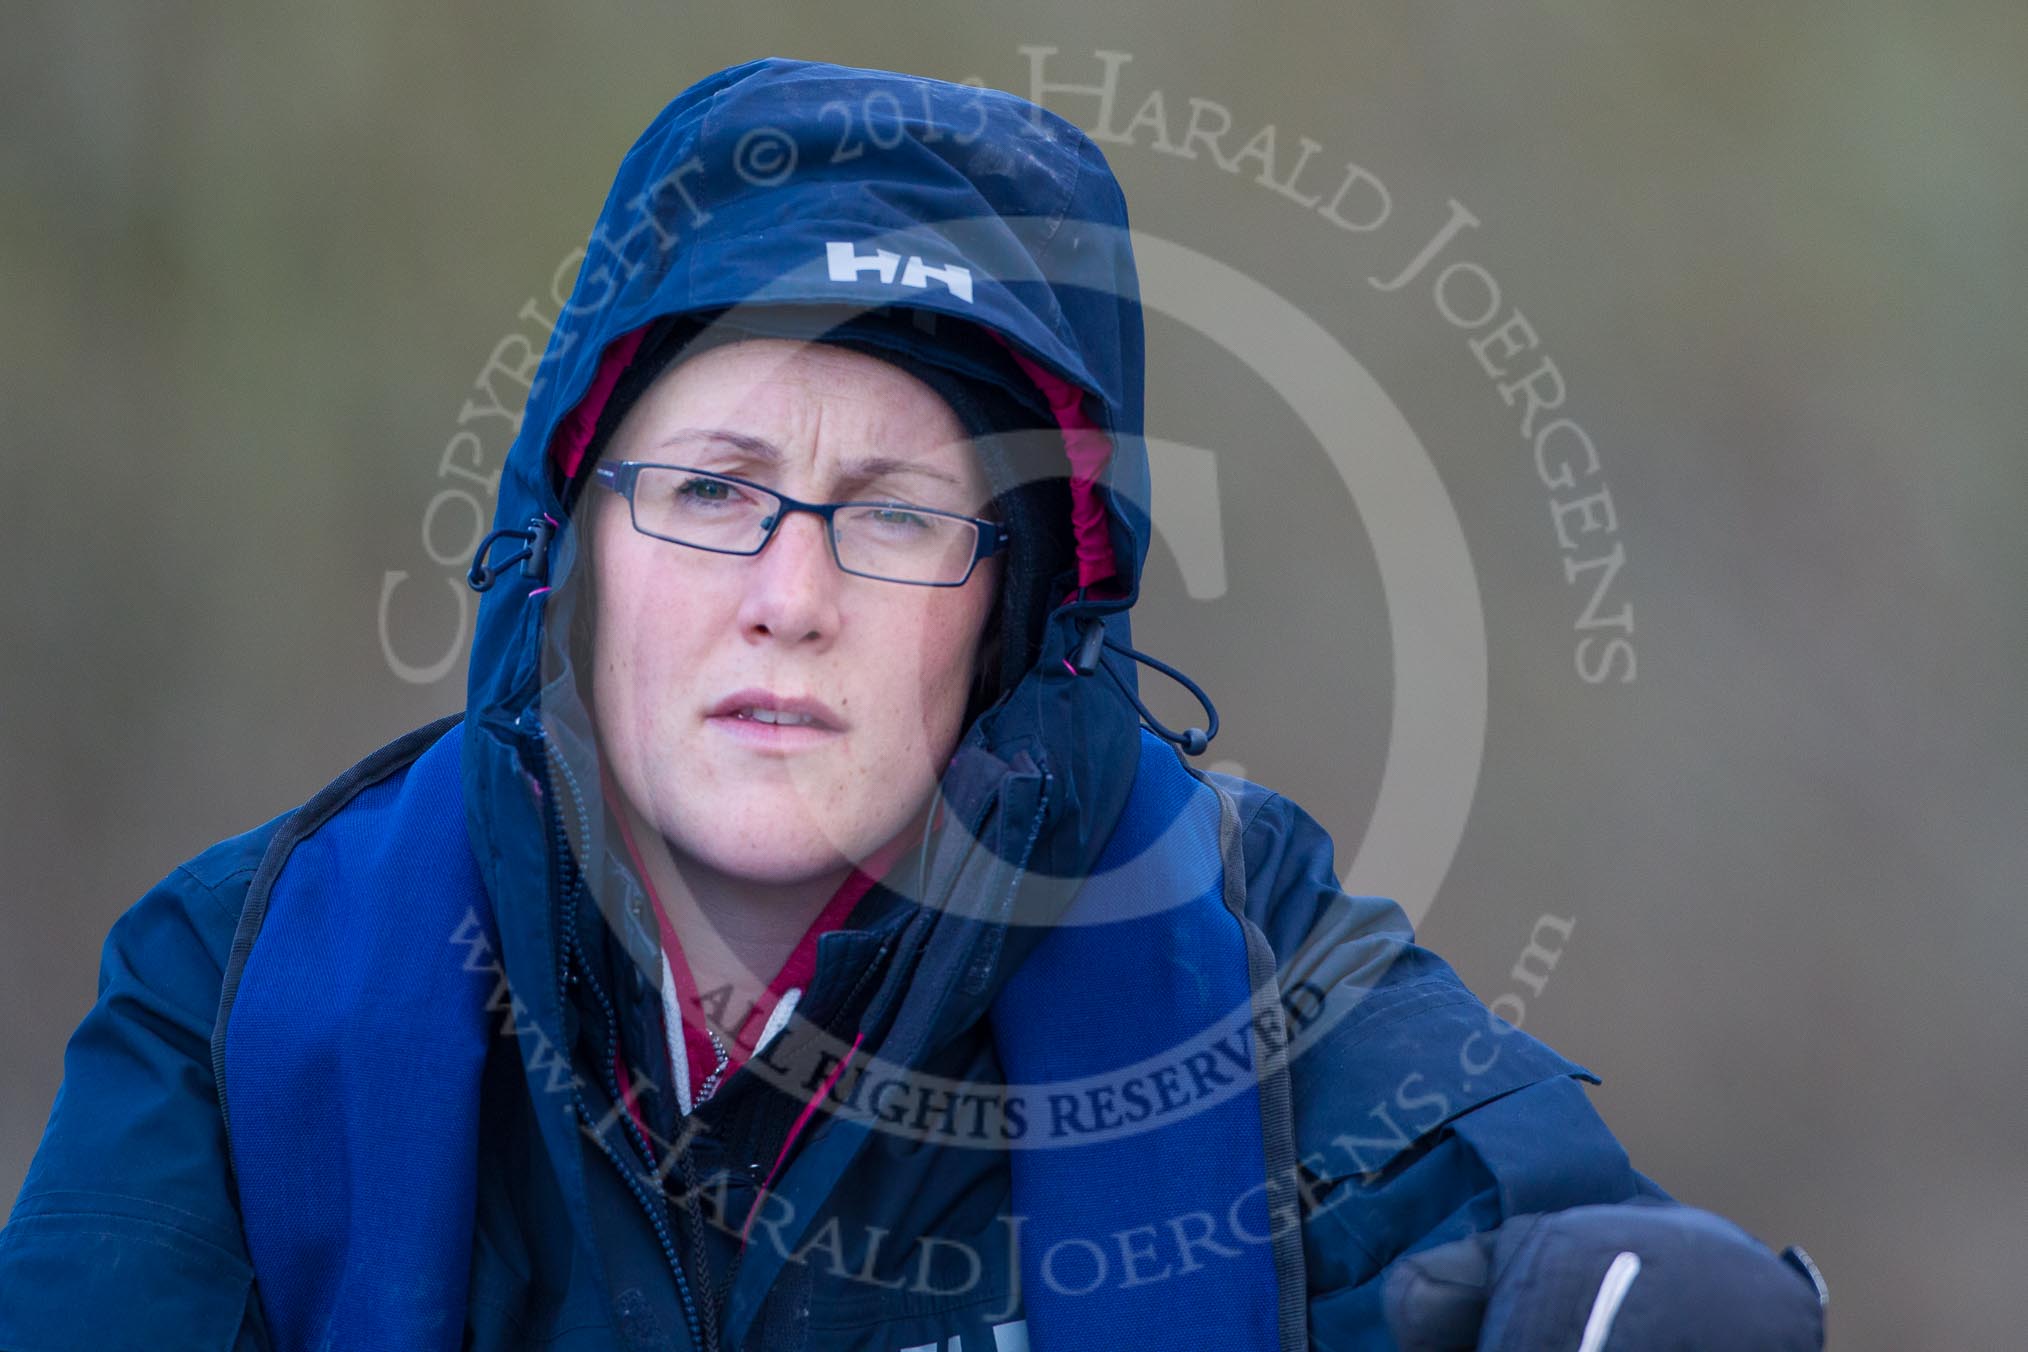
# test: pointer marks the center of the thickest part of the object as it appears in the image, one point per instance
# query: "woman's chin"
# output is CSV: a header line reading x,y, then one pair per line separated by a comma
x,y
783,850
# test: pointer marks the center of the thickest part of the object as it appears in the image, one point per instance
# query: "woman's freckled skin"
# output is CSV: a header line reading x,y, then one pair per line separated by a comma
x,y
754,841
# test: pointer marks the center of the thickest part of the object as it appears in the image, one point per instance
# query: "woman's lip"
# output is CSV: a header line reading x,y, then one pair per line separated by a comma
x,y
755,697
759,736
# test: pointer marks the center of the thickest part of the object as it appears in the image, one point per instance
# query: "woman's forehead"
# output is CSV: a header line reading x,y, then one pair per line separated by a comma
x,y
803,373
775,399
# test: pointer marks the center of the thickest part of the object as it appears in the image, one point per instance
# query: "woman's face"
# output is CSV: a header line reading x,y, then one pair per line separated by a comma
x,y
680,633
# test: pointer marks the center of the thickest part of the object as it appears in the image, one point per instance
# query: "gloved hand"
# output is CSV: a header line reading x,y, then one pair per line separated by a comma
x,y
1638,1275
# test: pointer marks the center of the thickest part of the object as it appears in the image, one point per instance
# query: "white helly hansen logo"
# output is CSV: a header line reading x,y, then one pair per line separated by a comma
x,y
1006,1338
846,265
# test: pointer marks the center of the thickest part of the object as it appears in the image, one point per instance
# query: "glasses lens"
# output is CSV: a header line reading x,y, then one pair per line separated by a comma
x,y
701,509
904,544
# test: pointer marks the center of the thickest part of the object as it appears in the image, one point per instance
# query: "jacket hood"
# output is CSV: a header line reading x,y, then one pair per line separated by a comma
x,y
789,183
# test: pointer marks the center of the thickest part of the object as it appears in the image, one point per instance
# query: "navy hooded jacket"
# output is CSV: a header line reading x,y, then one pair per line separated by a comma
x,y
1409,1121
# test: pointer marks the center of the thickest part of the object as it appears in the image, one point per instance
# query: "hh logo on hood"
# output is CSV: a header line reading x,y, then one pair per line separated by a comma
x,y
846,265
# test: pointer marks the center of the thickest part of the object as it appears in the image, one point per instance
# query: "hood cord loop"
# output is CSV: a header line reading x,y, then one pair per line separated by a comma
x,y
1091,657
533,558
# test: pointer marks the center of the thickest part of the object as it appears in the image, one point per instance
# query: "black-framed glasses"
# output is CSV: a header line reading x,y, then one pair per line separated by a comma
x,y
887,540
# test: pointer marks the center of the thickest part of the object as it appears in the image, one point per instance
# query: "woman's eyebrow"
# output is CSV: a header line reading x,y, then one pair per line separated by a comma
x,y
852,469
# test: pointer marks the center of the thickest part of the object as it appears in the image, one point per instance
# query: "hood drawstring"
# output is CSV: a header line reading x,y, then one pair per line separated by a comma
x,y
533,557
1091,657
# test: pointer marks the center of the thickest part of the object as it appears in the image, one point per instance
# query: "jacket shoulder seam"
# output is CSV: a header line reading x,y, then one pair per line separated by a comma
x,y
1273,796
212,885
214,888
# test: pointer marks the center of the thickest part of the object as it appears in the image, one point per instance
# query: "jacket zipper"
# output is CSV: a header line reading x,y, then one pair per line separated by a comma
x,y
651,1205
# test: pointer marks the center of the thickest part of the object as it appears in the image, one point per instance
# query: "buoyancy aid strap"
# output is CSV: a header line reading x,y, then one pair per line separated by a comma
x,y
1127,1034
353,1054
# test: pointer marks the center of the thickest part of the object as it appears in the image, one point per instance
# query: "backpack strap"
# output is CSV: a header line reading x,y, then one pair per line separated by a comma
x,y
1131,1038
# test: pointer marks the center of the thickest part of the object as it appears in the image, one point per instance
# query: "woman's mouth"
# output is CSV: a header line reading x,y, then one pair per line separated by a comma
x,y
780,716
773,729
764,721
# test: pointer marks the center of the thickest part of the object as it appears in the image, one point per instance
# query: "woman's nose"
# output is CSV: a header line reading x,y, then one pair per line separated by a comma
x,y
792,584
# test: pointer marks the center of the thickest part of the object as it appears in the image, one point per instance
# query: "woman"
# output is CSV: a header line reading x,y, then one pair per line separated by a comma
x,y
798,941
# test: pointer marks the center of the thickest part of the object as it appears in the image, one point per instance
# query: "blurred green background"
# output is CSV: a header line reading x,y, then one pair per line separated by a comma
x,y
253,259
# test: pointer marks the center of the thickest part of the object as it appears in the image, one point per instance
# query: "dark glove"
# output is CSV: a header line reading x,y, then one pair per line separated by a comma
x,y
1644,1276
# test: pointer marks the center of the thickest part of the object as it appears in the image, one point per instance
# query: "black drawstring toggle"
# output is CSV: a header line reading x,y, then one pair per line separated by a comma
x,y
533,557
1090,657
1089,646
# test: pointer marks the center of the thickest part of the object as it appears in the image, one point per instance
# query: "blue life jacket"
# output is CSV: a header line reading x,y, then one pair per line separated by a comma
x,y
355,1041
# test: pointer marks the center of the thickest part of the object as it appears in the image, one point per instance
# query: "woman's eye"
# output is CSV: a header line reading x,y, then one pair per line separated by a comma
x,y
899,517
706,490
